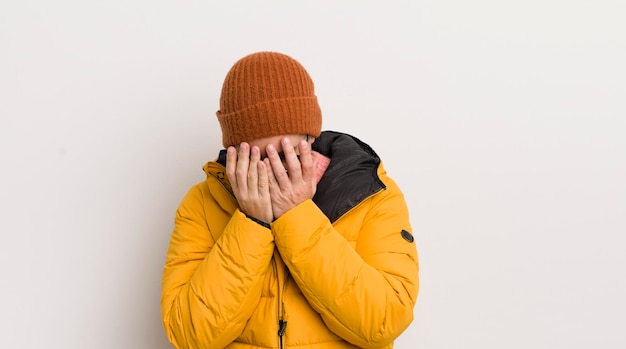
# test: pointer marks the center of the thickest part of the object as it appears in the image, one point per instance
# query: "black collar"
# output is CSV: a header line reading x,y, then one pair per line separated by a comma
x,y
351,177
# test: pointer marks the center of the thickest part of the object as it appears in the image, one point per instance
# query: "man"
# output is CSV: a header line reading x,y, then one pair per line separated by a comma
x,y
297,238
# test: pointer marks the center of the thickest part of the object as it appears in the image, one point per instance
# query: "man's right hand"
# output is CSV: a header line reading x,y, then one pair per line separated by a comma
x,y
249,180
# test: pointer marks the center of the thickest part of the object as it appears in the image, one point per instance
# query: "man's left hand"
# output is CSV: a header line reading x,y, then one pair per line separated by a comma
x,y
291,183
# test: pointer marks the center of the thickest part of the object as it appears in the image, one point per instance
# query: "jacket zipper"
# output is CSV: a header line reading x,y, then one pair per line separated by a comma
x,y
282,327
282,286
282,323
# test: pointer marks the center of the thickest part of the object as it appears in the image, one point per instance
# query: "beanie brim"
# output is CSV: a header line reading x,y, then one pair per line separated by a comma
x,y
295,115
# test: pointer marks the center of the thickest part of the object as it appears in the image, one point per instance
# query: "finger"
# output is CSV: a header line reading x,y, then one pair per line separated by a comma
x,y
243,161
291,158
278,170
271,179
255,154
253,179
263,181
306,160
231,165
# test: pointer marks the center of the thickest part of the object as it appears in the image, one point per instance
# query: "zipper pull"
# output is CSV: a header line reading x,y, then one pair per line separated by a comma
x,y
282,327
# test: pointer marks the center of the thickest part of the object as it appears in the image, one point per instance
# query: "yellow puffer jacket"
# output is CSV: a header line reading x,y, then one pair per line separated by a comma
x,y
338,271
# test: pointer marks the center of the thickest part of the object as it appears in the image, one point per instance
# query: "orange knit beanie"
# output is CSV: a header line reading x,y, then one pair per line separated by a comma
x,y
267,94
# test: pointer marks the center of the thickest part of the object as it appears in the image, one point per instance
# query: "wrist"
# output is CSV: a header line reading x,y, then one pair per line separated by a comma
x,y
259,221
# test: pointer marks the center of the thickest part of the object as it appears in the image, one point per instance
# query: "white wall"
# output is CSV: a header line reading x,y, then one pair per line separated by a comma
x,y
504,122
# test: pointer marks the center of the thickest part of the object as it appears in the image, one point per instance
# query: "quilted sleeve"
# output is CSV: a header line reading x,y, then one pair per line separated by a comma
x,y
210,288
366,295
